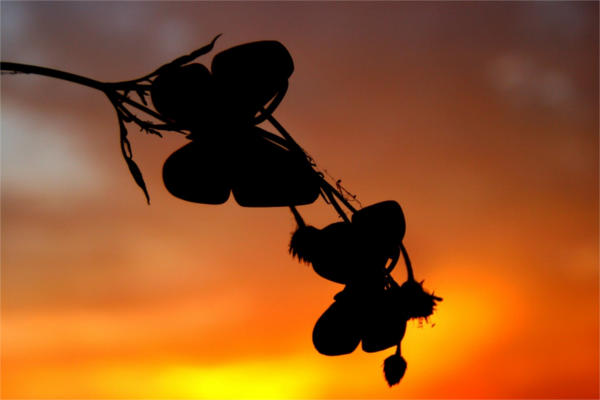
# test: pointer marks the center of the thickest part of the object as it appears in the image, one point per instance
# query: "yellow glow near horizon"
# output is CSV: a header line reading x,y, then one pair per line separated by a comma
x,y
269,379
479,119
244,380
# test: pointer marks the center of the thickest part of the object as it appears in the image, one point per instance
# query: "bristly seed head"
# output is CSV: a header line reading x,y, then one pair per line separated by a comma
x,y
302,244
416,302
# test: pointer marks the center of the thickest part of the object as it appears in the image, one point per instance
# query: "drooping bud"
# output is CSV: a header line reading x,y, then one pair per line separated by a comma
x,y
393,368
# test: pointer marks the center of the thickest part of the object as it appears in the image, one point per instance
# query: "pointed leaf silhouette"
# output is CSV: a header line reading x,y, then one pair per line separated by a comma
x,y
137,176
133,168
188,57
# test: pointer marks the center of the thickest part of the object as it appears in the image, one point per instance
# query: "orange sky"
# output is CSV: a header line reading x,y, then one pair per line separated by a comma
x,y
480,119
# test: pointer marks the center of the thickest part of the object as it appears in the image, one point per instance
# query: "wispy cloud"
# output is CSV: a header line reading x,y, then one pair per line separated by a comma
x,y
526,82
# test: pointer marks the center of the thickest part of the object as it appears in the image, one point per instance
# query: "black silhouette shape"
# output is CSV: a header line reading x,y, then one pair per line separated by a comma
x,y
185,95
269,175
227,103
361,253
199,172
394,367
381,226
337,331
260,172
249,76
384,322
218,111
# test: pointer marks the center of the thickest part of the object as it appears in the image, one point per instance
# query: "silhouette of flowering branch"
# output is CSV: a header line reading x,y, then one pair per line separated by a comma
x,y
119,93
360,252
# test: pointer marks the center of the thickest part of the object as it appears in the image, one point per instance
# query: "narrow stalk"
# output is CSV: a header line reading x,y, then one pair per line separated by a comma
x,y
106,88
409,270
337,206
339,196
328,188
298,217
54,73
283,132
392,265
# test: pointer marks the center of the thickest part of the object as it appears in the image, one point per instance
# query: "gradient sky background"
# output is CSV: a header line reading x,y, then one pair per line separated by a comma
x,y
481,119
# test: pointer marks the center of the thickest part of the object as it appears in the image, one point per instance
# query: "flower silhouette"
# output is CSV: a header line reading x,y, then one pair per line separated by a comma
x,y
218,110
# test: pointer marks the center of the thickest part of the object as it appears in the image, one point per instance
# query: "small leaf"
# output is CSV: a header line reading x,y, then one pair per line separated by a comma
x,y
122,127
127,154
142,96
126,147
155,132
137,176
188,57
203,50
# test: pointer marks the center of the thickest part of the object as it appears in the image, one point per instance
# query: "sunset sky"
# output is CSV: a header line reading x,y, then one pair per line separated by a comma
x,y
480,119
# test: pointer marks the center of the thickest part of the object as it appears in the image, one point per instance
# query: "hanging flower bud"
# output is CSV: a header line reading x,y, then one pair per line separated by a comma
x,y
393,368
302,244
415,301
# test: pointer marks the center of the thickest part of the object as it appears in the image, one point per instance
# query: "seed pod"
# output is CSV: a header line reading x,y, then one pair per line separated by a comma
x,y
250,75
394,368
198,173
185,95
268,175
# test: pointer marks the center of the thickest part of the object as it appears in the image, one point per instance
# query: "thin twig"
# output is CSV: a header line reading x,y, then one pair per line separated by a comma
x,y
298,217
295,146
54,73
337,207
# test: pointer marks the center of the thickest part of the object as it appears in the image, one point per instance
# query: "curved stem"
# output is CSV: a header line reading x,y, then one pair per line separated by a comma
x,y
295,146
392,265
338,195
276,139
54,73
409,270
335,205
117,99
283,132
82,80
